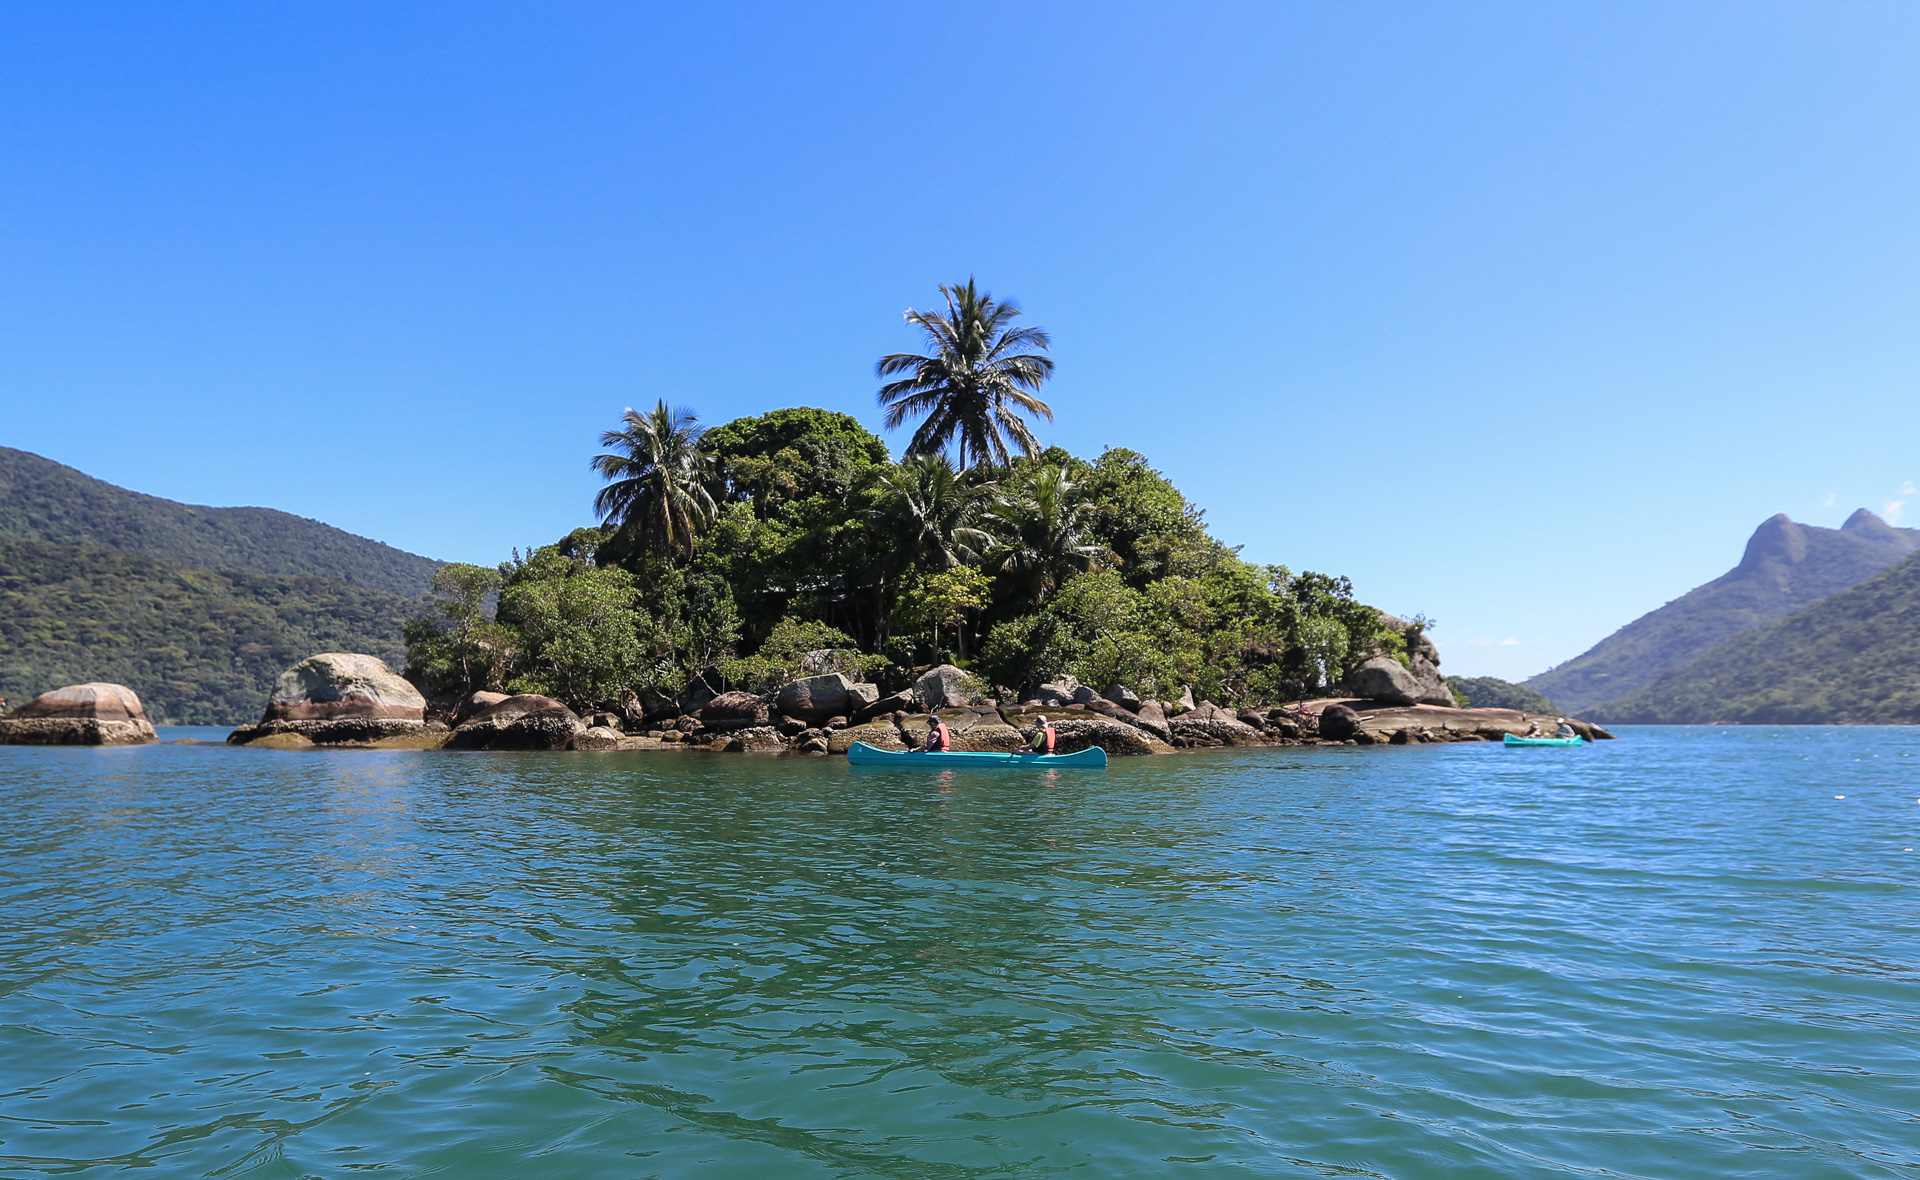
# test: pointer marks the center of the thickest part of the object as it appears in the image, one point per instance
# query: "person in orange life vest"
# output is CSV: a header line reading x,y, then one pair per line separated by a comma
x,y
939,737
1043,737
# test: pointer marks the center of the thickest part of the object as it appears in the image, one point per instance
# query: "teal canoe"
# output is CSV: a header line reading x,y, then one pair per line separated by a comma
x,y
861,754
1520,741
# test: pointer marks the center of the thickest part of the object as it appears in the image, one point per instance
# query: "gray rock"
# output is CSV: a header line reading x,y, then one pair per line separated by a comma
x,y
1384,679
1086,696
478,703
524,722
1338,723
742,708
1432,686
813,699
1185,700
597,737
1123,696
944,687
343,684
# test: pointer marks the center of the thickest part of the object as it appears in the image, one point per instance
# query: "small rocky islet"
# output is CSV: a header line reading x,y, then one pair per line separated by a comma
x,y
347,700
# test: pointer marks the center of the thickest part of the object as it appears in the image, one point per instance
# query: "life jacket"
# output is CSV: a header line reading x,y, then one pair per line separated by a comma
x,y
942,737
1049,739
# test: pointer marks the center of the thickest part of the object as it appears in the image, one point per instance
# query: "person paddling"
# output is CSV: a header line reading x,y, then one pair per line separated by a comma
x,y
1565,731
939,737
1043,736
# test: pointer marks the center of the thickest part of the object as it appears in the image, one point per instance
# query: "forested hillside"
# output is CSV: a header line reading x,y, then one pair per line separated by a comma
x,y
199,647
1851,659
41,500
1786,566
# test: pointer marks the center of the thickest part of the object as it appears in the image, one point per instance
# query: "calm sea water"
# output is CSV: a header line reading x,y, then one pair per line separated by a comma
x,y
1676,955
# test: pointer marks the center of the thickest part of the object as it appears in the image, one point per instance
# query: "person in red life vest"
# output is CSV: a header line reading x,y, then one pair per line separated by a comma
x,y
1043,737
939,737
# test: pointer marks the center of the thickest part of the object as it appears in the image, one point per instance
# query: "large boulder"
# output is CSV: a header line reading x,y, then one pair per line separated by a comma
x,y
597,737
1057,691
1153,718
1121,695
1432,687
1338,723
1385,679
1154,723
524,722
737,710
945,686
343,684
95,701
95,714
899,702
478,702
813,699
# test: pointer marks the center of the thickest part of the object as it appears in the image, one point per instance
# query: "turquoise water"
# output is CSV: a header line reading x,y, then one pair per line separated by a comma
x,y
1676,955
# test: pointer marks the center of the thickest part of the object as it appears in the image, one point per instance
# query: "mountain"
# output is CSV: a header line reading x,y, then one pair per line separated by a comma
x,y
1787,566
41,500
201,648
1851,659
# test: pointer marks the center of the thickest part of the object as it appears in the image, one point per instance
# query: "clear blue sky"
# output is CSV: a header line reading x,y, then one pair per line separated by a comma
x,y
1522,315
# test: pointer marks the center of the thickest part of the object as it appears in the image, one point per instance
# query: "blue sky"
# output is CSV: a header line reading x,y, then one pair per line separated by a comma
x,y
1521,315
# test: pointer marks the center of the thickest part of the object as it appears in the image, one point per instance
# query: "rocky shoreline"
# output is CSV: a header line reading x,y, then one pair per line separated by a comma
x,y
345,700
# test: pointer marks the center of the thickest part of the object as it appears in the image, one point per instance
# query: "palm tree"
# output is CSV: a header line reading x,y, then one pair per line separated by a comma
x,y
657,480
930,514
1043,540
980,377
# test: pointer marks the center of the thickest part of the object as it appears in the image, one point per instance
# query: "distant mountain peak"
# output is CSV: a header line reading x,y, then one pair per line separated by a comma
x,y
1777,537
1865,524
1787,566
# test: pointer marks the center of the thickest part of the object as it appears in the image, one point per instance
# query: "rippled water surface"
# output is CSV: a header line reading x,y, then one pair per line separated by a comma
x,y
1676,955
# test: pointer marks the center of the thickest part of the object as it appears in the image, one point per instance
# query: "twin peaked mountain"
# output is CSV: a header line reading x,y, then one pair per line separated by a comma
x,y
1814,626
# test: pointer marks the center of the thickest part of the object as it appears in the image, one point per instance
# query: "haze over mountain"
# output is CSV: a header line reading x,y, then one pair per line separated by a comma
x,y
196,609
41,500
1851,659
1786,567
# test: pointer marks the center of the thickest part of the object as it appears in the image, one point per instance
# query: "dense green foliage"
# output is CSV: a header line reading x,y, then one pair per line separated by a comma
x,y
201,648
41,500
1491,692
1044,565
1850,659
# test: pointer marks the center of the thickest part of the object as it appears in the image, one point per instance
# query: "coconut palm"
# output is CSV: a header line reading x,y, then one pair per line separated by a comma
x,y
1042,539
657,480
978,379
929,514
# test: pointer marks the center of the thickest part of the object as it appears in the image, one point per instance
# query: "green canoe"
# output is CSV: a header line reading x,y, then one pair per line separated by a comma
x,y
1520,741
861,754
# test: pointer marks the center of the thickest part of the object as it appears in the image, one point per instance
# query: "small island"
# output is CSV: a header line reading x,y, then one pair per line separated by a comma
x,y
782,583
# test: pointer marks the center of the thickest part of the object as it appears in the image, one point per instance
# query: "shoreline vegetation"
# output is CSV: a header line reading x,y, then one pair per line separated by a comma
x,y
780,581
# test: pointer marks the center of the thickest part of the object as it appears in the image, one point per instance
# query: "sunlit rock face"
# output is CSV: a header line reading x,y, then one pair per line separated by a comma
x,y
334,685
